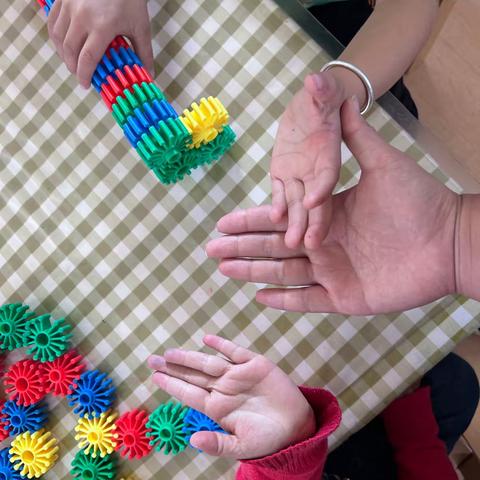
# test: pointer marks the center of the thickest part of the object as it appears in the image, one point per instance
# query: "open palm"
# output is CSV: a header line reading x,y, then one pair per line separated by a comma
x,y
390,246
241,394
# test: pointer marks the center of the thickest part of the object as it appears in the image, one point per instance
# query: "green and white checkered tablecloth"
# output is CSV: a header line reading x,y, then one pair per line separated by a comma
x,y
87,232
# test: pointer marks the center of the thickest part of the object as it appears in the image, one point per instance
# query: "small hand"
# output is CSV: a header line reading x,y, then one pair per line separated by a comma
x,y
390,246
82,31
306,160
246,394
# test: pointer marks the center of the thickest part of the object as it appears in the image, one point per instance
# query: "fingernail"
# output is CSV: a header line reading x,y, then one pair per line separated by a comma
x,y
157,362
355,103
319,81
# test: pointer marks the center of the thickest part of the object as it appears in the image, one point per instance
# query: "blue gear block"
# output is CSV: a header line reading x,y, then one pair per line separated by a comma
x,y
94,394
107,66
7,472
22,419
138,124
195,421
48,6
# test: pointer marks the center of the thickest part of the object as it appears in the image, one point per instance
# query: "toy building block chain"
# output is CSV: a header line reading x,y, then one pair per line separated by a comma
x,y
23,383
132,441
96,436
21,419
169,144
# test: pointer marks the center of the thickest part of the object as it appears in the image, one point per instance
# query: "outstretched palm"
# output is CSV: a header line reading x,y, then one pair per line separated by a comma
x,y
241,394
389,248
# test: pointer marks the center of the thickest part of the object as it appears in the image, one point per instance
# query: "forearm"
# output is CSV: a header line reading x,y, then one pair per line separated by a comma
x,y
467,247
386,45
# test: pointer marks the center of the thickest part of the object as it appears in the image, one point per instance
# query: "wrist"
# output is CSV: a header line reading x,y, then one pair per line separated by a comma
x,y
306,429
467,246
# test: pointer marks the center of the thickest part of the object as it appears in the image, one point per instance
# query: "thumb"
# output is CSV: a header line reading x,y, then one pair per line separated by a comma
x,y
370,150
142,44
216,444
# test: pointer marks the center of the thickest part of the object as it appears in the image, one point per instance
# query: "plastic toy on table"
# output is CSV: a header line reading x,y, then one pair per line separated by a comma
x,y
170,145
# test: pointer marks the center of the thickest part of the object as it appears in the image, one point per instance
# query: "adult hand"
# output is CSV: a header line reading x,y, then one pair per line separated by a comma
x,y
306,160
390,246
82,31
241,394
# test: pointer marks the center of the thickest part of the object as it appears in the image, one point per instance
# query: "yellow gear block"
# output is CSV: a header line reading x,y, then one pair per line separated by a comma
x,y
205,120
34,453
96,436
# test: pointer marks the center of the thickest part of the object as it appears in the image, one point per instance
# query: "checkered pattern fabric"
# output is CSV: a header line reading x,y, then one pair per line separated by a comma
x,y
88,232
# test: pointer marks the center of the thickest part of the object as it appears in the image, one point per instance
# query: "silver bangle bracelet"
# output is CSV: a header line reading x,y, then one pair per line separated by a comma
x,y
361,75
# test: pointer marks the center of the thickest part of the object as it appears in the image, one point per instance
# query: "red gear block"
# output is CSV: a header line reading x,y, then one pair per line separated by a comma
x,y
23,383
132,441
116,43
58,375
42,3
3,423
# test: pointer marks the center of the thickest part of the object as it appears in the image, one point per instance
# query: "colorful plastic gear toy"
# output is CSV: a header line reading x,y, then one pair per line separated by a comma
x,y
23,383
96,436
6,468
93,392
196,421
13,322
166,423
86,467
4,432
22,419
132,440
33,454
60,374
47,340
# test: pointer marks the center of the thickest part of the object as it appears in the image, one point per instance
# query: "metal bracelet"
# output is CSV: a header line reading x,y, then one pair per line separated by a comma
x,y
366,82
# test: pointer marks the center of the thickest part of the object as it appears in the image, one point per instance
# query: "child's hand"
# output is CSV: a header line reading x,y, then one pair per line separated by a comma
x,y
306,160
247,395
82,29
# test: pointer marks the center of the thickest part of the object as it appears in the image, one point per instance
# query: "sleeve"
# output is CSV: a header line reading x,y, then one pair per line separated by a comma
x,y
413,432
305,460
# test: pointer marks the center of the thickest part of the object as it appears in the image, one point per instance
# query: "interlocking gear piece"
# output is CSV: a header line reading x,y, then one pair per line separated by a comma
x,y
162,149
212,151
205,120
196,421
117,43
59,375
13,323
94,394
4,432
21,419
33,454
166,423
23,383
47,340
132,441
96,436
86,467
6,468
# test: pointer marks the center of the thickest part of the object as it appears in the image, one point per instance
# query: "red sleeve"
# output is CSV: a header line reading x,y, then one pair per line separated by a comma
x,y
413,432
305,460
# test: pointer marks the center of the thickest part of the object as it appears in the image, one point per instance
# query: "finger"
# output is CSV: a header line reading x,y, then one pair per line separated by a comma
x,y
53,17
290,272
256,219
262,245
142,44
191,395
74,41
320,187
232,351
297,215
319,220
279,201
217,444
371,151
188,375
90,54
59,30
209,364
307,299
322,87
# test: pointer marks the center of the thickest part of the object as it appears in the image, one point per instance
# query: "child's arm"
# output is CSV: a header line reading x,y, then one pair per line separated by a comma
x,y
82,30
306,158
268,417
413,433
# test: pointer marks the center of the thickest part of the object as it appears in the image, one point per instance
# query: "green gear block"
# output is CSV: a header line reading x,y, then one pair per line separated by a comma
x,y
211,151
85,467
47,340
163,149
13,325
167,424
